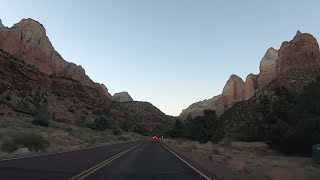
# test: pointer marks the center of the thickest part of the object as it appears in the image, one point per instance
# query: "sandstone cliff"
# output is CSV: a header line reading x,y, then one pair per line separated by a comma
x,y
300,55
122,97
268,68
27,40
68,100
34,75
295,64
232,93
250,86
196,109
299,62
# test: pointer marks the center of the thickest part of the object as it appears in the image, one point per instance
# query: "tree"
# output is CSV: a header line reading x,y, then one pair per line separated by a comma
x,y
102,123
42,117
177,130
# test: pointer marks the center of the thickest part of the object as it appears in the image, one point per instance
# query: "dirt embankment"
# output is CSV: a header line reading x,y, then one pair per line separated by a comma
x,y
241,160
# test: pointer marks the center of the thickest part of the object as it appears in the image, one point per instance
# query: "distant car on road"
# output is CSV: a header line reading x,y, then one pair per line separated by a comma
x,y
155,137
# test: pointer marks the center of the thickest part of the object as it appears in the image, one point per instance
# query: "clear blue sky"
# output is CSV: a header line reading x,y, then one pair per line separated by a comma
x,y
168,52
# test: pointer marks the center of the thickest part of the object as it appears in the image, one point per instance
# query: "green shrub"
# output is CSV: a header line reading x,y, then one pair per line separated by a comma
x,y
288,121
34,142
141,130
103,123
116,131
42,117
81,122
201,128
124,125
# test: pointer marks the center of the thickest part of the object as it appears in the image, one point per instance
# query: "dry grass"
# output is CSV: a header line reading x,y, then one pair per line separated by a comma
x,y
60,135
241,160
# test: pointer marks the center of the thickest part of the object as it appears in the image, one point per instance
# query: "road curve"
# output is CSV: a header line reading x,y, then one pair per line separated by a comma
x,y
133,161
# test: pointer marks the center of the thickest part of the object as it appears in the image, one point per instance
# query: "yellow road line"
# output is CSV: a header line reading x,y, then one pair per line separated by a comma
x,y
100,165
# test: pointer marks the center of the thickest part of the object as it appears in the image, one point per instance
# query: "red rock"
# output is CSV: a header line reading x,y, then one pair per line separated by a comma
x,y
27,40
299,55
268,68
232,91
250,86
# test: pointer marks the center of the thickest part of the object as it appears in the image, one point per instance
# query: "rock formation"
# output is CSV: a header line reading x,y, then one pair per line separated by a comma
x,y
268,68
250,86
105,90
295,64
122,97
1,25
27,40
299,62
232,91
196,109
299,55
34,75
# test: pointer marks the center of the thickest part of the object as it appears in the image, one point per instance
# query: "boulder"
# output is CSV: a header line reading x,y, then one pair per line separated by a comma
x,y
21,151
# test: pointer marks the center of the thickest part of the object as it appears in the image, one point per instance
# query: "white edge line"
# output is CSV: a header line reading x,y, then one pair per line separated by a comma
x,y
195,169
53,153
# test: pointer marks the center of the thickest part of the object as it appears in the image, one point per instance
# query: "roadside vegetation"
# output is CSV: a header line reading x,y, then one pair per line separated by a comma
x,y
21,136
231,159
42,117
287,121
202,128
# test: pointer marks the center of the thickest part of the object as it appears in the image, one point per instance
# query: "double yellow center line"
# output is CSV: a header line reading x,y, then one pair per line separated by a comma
x,y
95,168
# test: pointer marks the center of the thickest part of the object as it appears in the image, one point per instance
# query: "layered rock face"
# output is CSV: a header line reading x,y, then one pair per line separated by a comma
x,y
268,68
299,55
232,91
250,86
295,64
67,99
27,40
122,97
104,90
299,62
196,109
146,115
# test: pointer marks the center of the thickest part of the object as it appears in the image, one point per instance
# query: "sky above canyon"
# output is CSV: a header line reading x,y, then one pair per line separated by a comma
x,y
168,52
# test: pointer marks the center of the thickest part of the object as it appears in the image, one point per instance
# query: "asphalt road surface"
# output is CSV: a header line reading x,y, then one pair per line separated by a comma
x,y
126,161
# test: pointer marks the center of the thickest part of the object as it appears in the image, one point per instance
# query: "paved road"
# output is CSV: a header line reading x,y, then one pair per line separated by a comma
x,y
133,161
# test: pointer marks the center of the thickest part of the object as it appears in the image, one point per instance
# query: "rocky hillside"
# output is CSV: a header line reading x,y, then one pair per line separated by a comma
x,y
234,91
67,99
197,108
122,97
293,66
284,110
34,75
27,40
145,115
